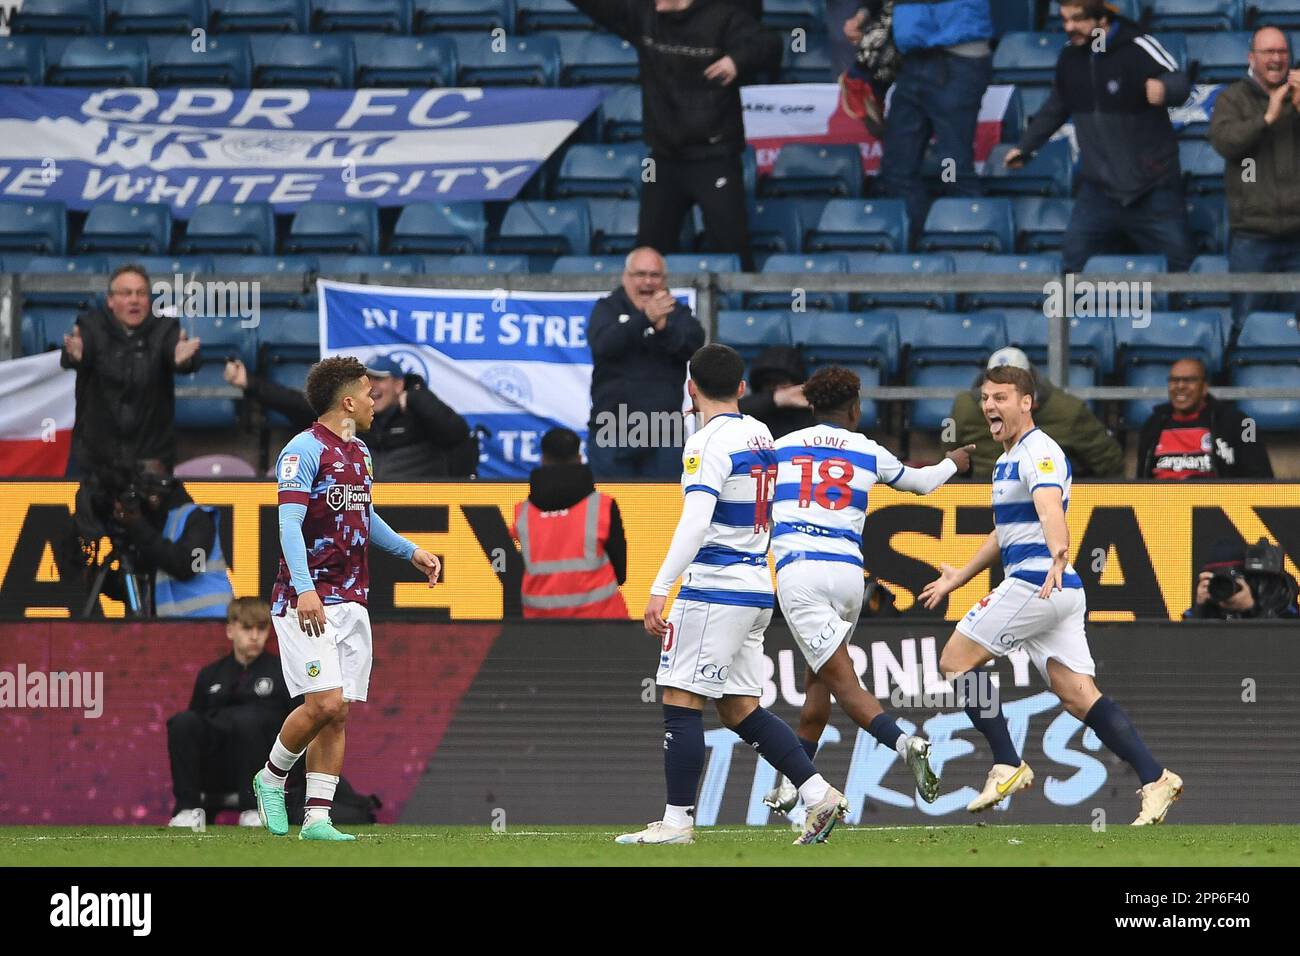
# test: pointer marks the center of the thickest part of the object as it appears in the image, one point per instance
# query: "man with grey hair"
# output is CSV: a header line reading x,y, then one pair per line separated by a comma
x,y
641,339
1256,129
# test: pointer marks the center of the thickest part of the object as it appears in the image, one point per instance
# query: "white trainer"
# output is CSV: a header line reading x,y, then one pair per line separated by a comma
x,y
658,833
782,797
822,818
1003,780
1157,797
190,819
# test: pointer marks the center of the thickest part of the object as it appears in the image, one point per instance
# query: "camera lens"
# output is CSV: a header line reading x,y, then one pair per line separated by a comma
x,y
1222,587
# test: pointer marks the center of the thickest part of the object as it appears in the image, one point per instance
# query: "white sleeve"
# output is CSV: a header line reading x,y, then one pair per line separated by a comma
x,y
922,481
697,514
1042,468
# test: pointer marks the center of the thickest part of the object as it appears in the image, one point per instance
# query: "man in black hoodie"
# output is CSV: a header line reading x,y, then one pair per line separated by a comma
x,y
1116,83
775,395
694,56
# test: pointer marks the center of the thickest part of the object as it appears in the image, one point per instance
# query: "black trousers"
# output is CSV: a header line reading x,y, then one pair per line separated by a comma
x,y
717,186
216,755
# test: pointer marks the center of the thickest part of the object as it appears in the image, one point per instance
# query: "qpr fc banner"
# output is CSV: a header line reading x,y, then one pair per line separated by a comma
x,y
189,147
512,364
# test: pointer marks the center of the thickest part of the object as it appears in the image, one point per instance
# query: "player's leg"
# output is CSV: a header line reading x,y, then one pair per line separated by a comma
x,y
813,718
186,744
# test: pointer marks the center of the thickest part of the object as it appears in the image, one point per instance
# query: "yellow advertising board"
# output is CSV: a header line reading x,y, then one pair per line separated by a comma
x,y
1136,545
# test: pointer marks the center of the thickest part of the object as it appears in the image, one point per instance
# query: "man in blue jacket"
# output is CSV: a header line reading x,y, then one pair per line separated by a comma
x,y
947,63
1117,84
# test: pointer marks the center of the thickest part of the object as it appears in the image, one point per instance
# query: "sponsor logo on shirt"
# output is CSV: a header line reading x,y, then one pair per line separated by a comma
x,y
347,498
692,464
1046,466
289,467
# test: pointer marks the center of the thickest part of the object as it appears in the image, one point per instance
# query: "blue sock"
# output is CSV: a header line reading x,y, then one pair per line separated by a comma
x,y
683,754
809,747
993,728
778,745
885,729
1109,722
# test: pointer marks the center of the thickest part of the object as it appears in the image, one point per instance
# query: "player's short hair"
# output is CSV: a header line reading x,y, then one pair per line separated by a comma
x,y
249,611
717,371
1021,378
329,378
129,268
832,389
562,445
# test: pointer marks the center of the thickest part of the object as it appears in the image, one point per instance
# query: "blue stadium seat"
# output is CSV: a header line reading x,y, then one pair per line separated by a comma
x,y
432,16
1013,16
949,338
223,337
876,225
929,414
826,263
1221,56
1206,265
1202,167
157,16
983,224
302,267
1207,218
260,16
230,227
342,227
101,61
1169,337
869,338
787,15
751,332
1032,99
1118,264
164,266
440,228
620,114
145,228
1048,173
405,61
1175,44
64,265
808,169
325,61
1279,13
372,266
225,61
1041,222
613,225
1044,264
588,265
810,65
1135,412
47,326
1092,343
362,16
601,170
775,225
80,17
559,227
587,58
526,61
1027,58
1192,15
535,16
22,61
896,264
1268,355
34,226
288,345
685,264
476,265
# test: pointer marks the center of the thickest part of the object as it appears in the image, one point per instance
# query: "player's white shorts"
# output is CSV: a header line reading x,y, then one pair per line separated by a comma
x,y
714,649
1015,616
821,601
340,658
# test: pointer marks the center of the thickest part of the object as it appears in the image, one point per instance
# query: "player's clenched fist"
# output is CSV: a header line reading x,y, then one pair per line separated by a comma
x,y
934,592
311,614
654,615
427,564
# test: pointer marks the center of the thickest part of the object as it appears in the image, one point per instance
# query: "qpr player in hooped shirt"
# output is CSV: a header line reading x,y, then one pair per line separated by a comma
x,y
318,603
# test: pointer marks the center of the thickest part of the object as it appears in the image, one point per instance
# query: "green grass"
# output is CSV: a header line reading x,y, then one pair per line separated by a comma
x,y
967,845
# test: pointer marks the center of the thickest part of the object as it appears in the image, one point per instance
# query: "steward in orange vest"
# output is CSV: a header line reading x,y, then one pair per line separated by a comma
x,y
571,537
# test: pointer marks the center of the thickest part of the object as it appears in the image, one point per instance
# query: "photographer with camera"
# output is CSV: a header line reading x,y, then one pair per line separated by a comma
x,y
167,549
1234,586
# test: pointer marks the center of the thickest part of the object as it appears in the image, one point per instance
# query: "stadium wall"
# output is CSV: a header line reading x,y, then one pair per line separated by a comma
x,y
1138,544
548,724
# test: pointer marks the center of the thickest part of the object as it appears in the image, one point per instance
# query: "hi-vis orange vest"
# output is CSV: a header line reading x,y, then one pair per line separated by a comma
x,y
566,570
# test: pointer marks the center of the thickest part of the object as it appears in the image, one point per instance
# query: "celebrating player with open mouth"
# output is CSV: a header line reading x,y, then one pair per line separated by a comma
x,y
324,492
713,639
1039,606
824,475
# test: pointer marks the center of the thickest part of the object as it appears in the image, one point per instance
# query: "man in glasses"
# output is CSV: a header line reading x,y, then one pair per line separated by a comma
x,y
1256,128
1195,435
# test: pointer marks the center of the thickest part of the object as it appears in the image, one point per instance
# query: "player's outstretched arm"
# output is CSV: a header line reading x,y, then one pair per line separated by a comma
x,y
697,512
950,578
1051,512
922,481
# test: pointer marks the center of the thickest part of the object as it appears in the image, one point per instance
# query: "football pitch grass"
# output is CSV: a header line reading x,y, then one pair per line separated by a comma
x,y
959,845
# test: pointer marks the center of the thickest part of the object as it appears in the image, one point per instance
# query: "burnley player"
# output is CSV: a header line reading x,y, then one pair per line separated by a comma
x,y
318,604
824,475
1039,605
713,638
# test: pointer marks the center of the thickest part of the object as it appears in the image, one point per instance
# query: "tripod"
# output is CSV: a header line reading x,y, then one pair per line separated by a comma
x,y
139,595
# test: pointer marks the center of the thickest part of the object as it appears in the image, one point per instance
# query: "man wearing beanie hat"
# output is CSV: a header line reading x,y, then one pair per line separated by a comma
x,y
1090,448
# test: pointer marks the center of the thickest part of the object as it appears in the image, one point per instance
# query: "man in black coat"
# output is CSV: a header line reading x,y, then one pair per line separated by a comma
x,y
775,396
126,359
235,712
641,339
694,56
